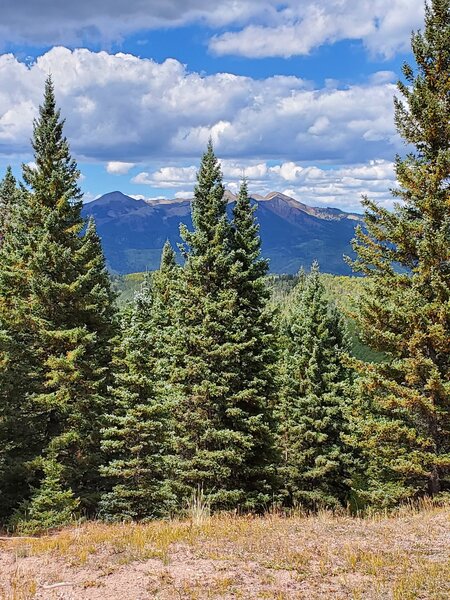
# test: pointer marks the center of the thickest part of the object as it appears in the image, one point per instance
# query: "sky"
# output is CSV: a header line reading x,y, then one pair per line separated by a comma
x,y
297,95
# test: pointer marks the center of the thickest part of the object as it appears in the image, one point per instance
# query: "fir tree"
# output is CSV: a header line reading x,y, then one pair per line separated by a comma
x,y
165,286
56,307
137,438
168,258
405,254
312,413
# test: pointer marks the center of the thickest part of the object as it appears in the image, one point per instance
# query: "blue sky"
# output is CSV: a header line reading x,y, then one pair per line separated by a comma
x,y
298,95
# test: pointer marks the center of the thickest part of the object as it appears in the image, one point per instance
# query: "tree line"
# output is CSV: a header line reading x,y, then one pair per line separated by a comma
x,y
200,386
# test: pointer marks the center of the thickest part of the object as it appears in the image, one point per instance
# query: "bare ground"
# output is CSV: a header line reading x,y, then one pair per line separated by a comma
x,y
403,557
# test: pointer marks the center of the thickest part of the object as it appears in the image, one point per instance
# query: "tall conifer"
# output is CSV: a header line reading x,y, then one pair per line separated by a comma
x,y
251,398
8,199
56,306
137,438
205,447
313,409
405,254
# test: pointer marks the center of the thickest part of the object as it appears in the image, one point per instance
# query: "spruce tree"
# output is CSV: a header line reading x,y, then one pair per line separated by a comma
x,y
205,456
405,312
56,307
53,504
313,408
218,431
9,195
252,392
137,437
165,284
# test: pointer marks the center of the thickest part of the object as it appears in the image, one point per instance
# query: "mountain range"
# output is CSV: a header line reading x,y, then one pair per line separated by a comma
x,y
293,234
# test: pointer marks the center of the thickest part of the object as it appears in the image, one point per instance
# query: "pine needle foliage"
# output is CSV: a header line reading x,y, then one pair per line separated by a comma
x,y
57,317
137,437
222,423
405,312
316,462
9,196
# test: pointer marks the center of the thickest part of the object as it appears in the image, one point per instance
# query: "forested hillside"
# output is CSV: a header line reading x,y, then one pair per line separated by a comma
x,y
214,386
133,232
344,291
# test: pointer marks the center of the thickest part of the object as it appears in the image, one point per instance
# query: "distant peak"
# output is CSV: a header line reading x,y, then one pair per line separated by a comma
x,y
229,196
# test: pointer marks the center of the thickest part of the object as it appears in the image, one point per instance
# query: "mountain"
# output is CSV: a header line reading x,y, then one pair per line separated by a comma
x,y
293,234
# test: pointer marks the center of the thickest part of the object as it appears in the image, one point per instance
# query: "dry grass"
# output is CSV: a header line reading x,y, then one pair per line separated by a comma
x,y
402,557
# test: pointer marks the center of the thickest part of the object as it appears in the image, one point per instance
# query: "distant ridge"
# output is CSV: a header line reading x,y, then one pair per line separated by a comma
x,y
293,234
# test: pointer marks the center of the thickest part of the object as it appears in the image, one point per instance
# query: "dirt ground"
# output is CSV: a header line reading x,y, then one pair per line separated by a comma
x,y
404,557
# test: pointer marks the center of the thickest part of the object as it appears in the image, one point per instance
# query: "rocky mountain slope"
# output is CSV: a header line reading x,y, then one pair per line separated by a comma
x,y
293,234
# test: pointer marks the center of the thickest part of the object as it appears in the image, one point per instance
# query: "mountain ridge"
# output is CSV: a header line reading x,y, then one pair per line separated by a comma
x,y
293,234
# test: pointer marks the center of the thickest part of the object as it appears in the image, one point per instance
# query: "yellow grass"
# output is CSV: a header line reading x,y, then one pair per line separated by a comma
x,y
395,557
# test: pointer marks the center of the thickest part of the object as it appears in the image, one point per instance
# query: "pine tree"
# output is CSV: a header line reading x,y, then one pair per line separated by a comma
x,y
168,258
313,408
8,199
405,254
211,448
223,353
137,438
56,309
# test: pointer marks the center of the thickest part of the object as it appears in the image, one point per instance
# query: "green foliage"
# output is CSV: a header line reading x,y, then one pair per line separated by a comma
x,y
9,196
222,423
56,325
252,388
189,401
137,436
404,312
314,400
53,504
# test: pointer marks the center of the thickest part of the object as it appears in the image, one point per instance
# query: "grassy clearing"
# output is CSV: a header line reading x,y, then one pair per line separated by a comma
x,y
401,557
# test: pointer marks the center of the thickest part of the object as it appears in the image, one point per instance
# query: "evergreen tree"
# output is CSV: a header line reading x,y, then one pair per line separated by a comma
x,y
53,503
168,258
218,431
8,199
166,289
312,412
405,312
252,392
205,457
137,438
56,309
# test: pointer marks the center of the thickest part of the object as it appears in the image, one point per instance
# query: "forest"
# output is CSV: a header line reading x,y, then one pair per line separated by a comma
x,y
215,384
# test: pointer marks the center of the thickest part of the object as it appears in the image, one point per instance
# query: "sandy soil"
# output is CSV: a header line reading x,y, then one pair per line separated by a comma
x,y
401,558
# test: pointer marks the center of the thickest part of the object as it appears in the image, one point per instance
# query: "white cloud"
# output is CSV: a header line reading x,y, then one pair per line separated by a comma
x,y
123,109
259,27
384,26
184,195
167,177
340,186
119,168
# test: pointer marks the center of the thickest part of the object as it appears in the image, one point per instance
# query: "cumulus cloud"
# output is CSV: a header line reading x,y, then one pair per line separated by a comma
x,y
167,177
384,26
340,186
123,109
118,168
